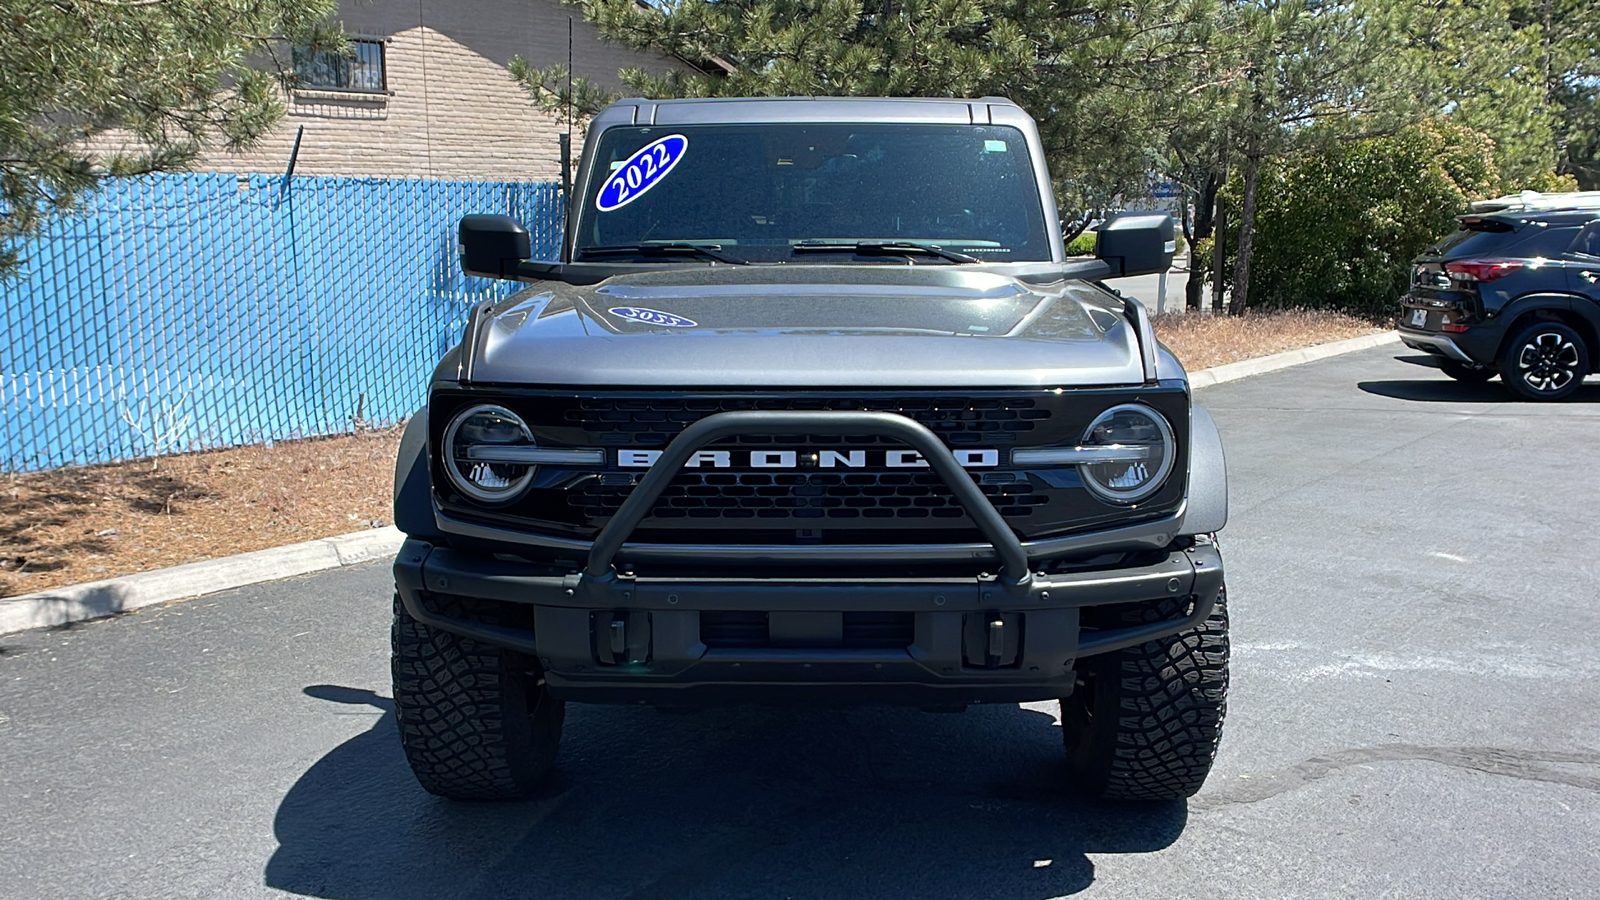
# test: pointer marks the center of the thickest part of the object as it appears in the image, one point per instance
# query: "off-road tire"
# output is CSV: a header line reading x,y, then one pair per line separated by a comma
x,y
1545,361
475,721
1466,374
1144,722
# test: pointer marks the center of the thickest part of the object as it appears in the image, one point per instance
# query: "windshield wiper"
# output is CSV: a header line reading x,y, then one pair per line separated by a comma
x,y
884,248
665,248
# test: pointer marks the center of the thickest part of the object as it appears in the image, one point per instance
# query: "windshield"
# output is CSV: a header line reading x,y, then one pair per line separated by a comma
x,y
756,191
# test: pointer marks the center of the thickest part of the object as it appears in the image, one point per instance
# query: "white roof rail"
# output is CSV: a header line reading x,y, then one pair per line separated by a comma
x,y
1529,201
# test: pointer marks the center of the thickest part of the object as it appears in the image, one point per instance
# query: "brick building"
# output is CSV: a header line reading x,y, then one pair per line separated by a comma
x,y
427,94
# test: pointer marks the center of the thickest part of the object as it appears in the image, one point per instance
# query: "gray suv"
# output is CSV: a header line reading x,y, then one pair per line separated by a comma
x,y
813,408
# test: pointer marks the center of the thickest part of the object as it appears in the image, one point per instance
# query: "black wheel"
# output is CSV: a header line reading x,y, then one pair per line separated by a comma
x,y
1545,361
1465,373
475,721
1144,722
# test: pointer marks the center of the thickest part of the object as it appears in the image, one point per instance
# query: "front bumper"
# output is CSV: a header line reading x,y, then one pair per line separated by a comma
x,y
659,653
604,635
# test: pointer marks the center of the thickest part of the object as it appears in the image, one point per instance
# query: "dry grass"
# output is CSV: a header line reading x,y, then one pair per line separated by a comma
x,y
83,524
1203,340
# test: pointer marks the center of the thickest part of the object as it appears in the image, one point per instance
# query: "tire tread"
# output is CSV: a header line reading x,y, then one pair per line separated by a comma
x,y
1160,708
462,712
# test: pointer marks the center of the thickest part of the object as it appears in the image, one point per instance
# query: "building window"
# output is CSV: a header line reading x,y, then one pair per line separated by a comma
x,y
361,72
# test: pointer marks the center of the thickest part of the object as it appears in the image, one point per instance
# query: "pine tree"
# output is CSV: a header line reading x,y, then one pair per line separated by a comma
x,y
1097,75
1283,76
155,83
1566,34
1288,65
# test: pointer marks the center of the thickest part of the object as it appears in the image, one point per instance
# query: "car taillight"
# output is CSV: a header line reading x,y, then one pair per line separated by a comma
x,y
1481,269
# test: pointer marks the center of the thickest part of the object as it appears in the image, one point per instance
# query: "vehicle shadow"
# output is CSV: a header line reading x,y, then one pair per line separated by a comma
x,y
1444,389
1447,390
726,802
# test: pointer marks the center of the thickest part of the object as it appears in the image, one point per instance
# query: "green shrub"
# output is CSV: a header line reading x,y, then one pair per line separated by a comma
x,y
1337,227
1082,245
1548,183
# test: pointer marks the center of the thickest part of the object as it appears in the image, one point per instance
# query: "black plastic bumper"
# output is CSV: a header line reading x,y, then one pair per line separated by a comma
x,y
602,636
658,652
1477,345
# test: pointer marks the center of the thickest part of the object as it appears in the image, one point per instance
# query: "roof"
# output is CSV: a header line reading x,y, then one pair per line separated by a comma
x,y
1562,217
717,110
1533,201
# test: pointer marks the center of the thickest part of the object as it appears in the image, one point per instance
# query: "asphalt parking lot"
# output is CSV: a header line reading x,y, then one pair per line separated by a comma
x,y
1413,581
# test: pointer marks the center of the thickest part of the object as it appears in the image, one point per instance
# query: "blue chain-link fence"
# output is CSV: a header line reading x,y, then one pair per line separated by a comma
x,y
186,312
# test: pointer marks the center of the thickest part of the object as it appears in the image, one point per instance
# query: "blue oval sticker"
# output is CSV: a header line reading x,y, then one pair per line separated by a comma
x,y
652,317
641,172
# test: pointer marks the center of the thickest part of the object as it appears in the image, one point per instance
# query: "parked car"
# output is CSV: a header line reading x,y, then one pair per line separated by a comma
x,y
812,409
1513,292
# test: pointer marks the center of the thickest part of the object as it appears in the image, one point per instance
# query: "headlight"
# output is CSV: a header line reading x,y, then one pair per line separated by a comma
x,y
471,460
1147,451
1126,454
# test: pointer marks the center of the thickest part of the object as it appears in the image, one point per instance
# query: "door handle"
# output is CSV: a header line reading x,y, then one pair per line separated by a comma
x,y
1591,277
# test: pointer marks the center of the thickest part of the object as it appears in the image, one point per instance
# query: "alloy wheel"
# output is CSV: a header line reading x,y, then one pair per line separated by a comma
x,y
1548,362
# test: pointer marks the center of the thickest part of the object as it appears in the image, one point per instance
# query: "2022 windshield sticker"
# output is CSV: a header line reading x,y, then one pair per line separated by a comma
x,y
637,174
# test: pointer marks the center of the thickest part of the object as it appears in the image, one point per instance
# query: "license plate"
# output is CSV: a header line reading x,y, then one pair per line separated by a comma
x,y
1419,318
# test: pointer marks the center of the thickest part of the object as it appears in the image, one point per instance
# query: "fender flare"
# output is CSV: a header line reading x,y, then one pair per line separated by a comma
x,y
1565,305
413,494
1576,304
1207,510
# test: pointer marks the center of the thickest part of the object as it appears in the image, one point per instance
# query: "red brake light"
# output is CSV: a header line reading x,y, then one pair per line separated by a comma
x,y
1481,269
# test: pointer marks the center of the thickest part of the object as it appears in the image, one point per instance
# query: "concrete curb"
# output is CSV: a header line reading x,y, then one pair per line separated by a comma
x,y
1263,364
79,602
95,599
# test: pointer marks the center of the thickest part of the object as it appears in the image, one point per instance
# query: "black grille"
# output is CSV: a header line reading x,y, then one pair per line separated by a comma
x,y
652,422
811,495
874,501
738,629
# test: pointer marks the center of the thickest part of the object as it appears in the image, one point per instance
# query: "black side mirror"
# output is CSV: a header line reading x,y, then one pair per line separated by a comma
x,y
499,247
1136,243
492,246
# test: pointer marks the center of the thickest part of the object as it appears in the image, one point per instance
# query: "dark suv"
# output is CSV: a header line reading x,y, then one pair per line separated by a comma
x,y
1514,294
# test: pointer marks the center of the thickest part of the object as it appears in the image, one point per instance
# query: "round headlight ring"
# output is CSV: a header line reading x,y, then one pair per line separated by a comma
x,y
470,482
1155,477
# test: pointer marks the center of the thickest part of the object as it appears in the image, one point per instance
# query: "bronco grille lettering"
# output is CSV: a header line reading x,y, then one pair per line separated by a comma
x,y
807,459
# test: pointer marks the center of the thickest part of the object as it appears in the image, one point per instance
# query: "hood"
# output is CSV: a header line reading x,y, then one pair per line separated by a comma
x,y
806,326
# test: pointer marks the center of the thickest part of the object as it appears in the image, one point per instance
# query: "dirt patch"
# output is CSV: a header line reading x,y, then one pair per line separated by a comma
x,y
83,524
1203,340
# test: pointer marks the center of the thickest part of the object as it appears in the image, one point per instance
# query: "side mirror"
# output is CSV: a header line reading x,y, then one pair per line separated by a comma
x,y
492,246
499,247
1136,243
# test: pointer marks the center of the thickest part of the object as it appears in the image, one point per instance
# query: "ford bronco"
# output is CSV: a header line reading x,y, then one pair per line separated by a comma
x,y
812,408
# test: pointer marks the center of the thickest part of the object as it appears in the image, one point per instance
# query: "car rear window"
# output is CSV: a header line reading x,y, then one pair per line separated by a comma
x,y
1476,236
1492,237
